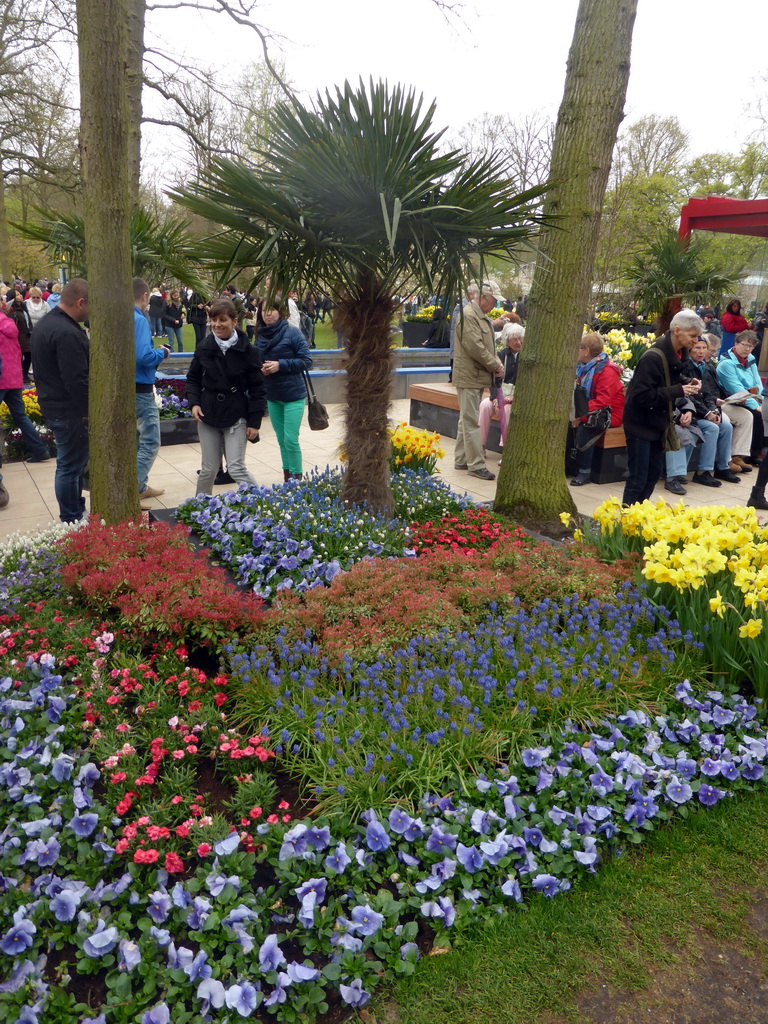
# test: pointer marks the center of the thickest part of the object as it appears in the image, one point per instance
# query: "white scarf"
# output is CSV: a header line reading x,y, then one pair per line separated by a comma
x,y
226,343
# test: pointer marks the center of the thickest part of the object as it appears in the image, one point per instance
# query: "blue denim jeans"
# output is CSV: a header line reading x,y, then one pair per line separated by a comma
x,y
156,325
677,462
171,333
71,459
14,401
147,437
716,449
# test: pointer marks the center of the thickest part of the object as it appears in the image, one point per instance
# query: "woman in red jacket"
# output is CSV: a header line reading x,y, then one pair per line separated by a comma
x,y
601,379
732,322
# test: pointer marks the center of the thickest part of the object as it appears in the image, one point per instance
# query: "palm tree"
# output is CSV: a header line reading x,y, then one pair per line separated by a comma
x,y
354,195
161,247
672,270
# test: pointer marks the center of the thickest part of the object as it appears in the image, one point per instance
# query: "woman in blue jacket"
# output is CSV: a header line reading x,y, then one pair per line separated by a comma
x,y
285,356
737,371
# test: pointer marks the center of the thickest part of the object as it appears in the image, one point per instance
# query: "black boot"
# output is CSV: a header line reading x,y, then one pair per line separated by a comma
x,y
756,499
286,475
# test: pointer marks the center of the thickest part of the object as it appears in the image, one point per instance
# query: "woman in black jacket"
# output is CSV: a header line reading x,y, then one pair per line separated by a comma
x,y
225,390
285,356
647,409
197,315
173,320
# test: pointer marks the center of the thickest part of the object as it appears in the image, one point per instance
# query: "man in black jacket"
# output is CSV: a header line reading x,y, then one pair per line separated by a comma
x,y
647,408
61,359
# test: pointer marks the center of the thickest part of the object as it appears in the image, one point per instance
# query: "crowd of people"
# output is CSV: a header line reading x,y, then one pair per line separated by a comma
x,y
697,389
233,379
694,390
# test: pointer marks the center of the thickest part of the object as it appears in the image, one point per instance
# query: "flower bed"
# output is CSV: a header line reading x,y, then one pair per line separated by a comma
x,y
497,750
15,448
708,565
302,535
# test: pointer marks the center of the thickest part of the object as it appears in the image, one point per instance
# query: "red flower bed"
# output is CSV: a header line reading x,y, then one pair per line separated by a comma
x,y
157,583
472,530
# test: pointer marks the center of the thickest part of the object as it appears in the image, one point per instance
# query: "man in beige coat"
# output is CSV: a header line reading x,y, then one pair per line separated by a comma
x,y
475,364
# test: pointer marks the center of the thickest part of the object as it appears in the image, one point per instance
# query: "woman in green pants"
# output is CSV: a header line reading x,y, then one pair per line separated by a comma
x,y
285,356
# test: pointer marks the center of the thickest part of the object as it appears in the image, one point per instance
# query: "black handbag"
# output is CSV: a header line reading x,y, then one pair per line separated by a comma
x,y
317,414
580,401
599,419
671,440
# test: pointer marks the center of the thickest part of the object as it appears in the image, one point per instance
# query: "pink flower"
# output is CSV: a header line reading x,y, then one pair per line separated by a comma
x,y
145,856
204,849
272,819
177,754
173,863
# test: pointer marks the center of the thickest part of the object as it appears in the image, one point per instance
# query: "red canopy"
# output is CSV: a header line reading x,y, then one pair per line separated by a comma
x,y
734,216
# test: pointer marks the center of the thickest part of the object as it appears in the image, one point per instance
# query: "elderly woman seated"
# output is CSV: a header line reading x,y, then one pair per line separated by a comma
x,y
601,379
513,336
737,373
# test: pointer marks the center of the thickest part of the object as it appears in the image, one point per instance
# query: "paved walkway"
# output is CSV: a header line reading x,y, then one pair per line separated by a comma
x,y
33,504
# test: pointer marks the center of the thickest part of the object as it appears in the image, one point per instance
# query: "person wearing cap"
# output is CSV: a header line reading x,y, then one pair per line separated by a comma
x,y
475,367
711,323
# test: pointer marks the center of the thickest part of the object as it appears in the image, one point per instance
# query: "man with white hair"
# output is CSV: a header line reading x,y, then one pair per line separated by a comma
x,y
475,367
661,377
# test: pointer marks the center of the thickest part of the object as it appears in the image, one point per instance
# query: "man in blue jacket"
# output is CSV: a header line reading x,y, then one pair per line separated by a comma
x,y
147,414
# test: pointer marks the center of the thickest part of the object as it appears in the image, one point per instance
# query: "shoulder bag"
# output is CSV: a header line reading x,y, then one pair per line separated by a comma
x,y
317,414
671,440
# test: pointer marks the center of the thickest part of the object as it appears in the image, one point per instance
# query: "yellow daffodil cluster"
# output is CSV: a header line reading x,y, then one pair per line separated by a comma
x,y
31,407
693,548
625,349
414,449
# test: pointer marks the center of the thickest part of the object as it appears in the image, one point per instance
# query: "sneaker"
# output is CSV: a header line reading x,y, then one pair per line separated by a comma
x,y
38,458
580,480
673,484
706,479
465,466
151,492
728,475
4,497
223,477
482,474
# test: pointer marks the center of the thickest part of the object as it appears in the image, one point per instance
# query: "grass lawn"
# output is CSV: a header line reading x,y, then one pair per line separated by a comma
x,y
325,336
686,894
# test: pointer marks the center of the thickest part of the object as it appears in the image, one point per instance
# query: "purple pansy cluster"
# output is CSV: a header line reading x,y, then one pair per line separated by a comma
x,y
301,535
323,903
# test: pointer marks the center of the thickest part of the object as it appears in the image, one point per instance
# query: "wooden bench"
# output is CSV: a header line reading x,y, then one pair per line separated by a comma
x,y
436,407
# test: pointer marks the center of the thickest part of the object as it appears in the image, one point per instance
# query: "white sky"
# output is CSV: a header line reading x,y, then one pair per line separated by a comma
x,y
699,60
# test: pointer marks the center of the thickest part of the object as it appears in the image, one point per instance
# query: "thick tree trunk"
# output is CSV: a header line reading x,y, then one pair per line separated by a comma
x,y
105,162
6,270
532,483
366,327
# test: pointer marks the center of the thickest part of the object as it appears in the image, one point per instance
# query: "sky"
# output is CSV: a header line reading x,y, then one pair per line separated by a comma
x,y
698,60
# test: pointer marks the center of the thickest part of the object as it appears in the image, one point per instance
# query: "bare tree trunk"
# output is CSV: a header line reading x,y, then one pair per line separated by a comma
x,y
6,269
367,444
105,161
137,11
532,482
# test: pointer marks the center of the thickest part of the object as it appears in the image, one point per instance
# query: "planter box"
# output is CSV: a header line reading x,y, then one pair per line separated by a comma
x,y
181,431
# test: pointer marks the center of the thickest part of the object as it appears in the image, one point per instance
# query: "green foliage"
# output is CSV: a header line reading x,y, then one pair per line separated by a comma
x,y
356,190
161,246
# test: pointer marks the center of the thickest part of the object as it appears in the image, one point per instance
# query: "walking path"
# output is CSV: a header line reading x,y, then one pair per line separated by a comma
x,y
33,503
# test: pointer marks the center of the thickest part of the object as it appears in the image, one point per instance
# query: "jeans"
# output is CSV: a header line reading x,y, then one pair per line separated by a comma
x,y
644,459
286,418
156,324
716,449
582,434
231,442
147,437
71,459
677,462
14,401
171,333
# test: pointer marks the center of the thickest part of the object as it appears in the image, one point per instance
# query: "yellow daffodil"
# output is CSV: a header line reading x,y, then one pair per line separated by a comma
x,y
751,628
